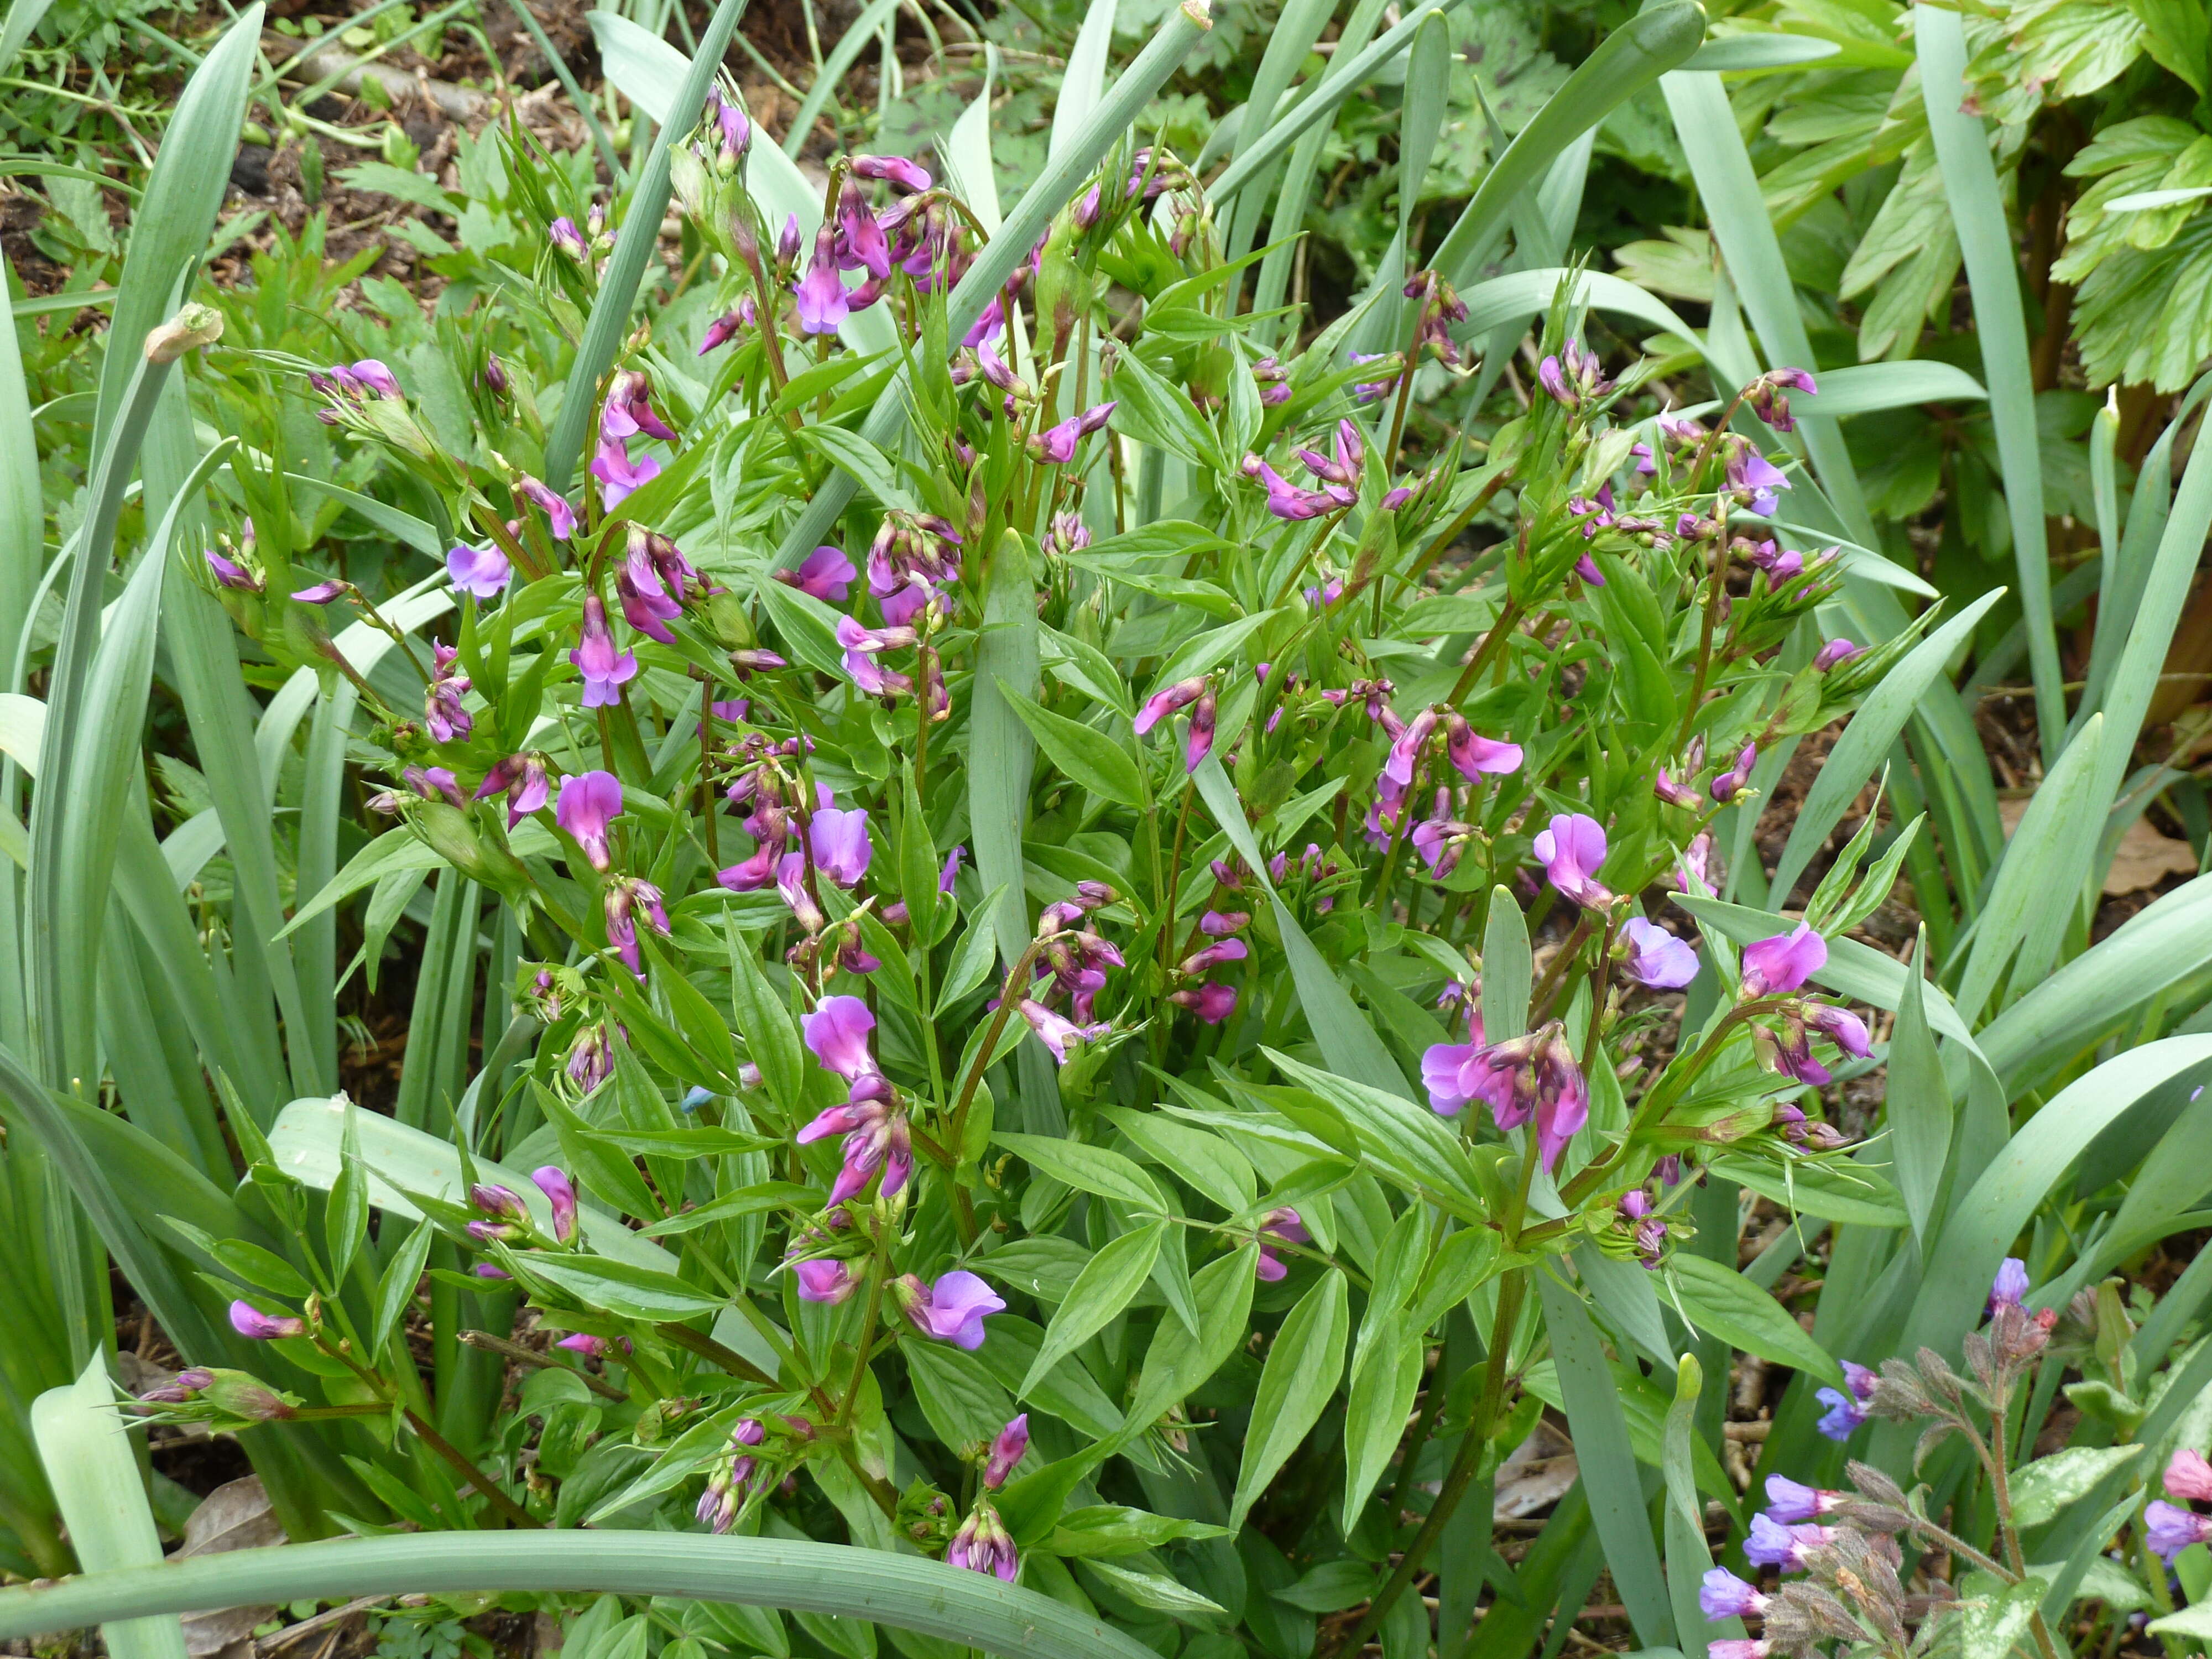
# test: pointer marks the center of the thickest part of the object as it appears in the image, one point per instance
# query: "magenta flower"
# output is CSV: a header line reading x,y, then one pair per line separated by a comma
x,y
1731,783
606,670
619,472
2189,1475
983,1545
1782,963
951,873
1676,794
483,571
1521,1079
1055,1031
895,171
323,592
627,409
719,332
1284,499
1571,850
1007,1452
1476,756
1841,1027
952,1309
589,802
376,379
1212,1002
230,574
249,1321
824,1280
1655,957
1198,740
432,782
1765,399
837,1031
559,517
564,235
1166,702
841,848
823,303
1649,1230
522,779
1754,479
876,1137
1212,956
1835,651
647,604
626,894
1057,444
584,1343
1281,1226
861,644
443,713
553,1180
825,573
1739,1647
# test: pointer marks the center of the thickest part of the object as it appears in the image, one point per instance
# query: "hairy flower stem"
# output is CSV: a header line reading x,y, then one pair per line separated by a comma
x,y
2001,1491
1464,1465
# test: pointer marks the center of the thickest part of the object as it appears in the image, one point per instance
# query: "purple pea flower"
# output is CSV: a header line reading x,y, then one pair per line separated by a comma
x,y
1731,783
824,1280
323,592
377,381
1841,1027
564,235
840,844
1655,957
249,1321
719,332
1055,444
1284,499
481,572
553,1180
1475,756
1765,399
1007,1452
906,176
1198,742
522,779
619,472
823,303
837,1031
859,239
1835,651
952,1309
605,671
433,781
559,517
825,573
983,1545
952,869
1782,963
1521,1079
589,802
1571,850
1755,480
229,574
1281,1226
1056,1031
1212,1002
1166,702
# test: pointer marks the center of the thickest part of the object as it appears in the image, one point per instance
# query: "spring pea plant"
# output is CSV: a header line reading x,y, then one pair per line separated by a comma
x,y
1021,1003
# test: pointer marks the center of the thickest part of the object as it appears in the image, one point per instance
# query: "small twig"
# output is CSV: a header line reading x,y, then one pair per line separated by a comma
x,y
523,1356
291,1633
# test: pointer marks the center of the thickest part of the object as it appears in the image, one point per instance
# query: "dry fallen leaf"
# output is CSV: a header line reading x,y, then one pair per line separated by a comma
x,y
233,1517
2144,859
1536,1474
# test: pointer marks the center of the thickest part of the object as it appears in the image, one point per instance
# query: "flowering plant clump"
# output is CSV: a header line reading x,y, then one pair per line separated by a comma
x,y
996,943
1124,948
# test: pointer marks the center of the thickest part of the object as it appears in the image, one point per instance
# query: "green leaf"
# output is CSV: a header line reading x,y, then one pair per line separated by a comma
x,y
1411,1142
1615,1489
1103,1529
1508,969
861,461
771,1039
1204,1161
1718,1299
904,1592
2046,1486
1833,1191
621,1288
1178,1362
1090,1169
1384,1381
1300,1376
1995,1618
1084,754
395,1292
1985,242
1917,1101
1112,1276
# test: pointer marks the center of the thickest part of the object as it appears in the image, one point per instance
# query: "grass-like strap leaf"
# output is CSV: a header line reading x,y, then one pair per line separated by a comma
x,y
96,1480
1599,1428
839,58
1682,1520
634,245
1985,242
1917,1100
1297,1381
902,1591
1867,741
1409,1141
